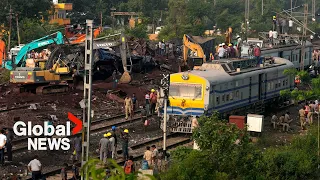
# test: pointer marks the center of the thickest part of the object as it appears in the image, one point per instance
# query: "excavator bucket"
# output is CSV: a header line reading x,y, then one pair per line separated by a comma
x,y
125,78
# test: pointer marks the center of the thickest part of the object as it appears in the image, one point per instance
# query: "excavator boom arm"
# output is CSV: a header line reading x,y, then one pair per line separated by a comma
x,y
56,38
188,44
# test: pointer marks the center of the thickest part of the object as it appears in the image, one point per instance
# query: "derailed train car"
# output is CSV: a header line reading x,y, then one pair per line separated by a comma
x,y
221,87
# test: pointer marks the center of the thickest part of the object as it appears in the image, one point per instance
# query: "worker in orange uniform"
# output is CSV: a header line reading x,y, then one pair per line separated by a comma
x,y
153,100
2,50
128,105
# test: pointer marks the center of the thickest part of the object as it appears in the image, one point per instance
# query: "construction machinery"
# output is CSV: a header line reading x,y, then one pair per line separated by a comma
x,y
80,38
200,50
65,63
18,59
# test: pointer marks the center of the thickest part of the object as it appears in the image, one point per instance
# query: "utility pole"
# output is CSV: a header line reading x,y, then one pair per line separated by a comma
x,y
304,34
291,8
313,13
101,19
165,83
87,96
247,13
214,3
262,7
18,33
10,26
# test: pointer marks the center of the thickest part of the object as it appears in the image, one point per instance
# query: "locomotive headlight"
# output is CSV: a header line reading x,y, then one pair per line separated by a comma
x,y
206,107
207,88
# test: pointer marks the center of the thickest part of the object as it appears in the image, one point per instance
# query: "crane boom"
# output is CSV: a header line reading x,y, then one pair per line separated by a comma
x,y
55,38
195,47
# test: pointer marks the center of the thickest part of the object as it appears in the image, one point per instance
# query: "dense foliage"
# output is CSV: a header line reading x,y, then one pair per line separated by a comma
x,y
221,158
178,16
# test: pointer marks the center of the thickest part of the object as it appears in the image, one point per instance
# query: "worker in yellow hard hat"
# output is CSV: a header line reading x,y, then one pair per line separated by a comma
x,y
125,143
103,147
153,101
108,134
230,45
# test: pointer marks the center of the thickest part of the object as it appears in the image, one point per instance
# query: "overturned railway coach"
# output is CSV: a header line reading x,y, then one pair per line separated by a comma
x,y
220,87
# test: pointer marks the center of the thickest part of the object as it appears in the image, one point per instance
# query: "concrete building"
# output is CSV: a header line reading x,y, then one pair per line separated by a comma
x,y
59,16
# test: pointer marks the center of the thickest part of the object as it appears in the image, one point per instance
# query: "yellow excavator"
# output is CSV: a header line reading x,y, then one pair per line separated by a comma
x,y
196,51
64,68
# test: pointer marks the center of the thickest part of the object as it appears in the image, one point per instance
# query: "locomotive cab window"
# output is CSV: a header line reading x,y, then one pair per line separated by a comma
x,y
190,91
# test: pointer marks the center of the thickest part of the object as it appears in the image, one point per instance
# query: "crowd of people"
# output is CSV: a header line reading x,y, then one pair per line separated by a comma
x,y
35,55
306,115
166,48
108,150
152,104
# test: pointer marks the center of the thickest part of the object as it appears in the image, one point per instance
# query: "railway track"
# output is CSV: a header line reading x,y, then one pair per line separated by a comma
x,y
15,108
173,140
99,125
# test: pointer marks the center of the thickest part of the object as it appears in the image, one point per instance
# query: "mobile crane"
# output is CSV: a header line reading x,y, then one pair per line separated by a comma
x,y
20,59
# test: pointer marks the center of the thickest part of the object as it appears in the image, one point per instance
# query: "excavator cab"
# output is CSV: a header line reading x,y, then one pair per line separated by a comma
x,y
194,62
200,48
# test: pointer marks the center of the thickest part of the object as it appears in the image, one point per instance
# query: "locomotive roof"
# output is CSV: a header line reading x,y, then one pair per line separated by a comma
x,y
216,73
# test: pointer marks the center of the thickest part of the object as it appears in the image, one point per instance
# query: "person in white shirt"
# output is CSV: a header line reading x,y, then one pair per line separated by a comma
x,y
3,140
221,51
35,167
290,26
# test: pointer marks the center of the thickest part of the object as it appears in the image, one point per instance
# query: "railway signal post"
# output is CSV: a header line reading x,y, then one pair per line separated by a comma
x,y
165,84
87,96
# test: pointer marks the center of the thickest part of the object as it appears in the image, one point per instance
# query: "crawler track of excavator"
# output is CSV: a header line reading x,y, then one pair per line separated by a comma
x,y
42,89
52,89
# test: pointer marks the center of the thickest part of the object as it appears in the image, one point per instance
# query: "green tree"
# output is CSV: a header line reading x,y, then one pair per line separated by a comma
x,y
31,29
221,158
225,153
139,31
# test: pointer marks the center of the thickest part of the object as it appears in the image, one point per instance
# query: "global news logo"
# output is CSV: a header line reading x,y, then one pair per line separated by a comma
x,y
47,136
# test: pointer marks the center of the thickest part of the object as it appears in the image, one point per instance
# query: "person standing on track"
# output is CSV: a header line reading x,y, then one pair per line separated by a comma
x,y
148,156
153,100
77,147
35,167
9,135
115,135
125,144
128,106
112,146
155,153
3,141
147,99
103,147
134,102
